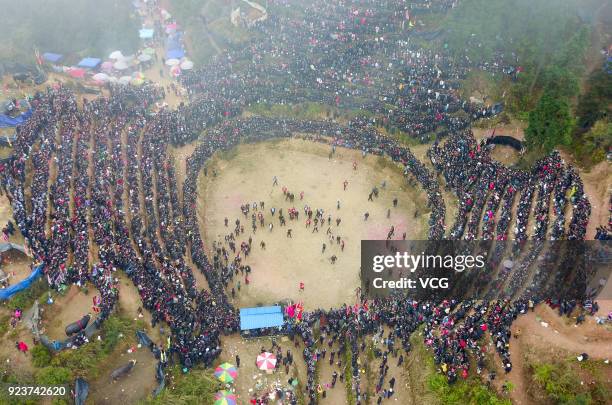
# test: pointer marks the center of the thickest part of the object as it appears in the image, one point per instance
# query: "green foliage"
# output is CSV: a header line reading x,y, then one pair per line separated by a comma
x,y
4,324
590,148
84,27
348,374
41,356
550,124
471,391
596,102
195,387
54,376
546,35
559,383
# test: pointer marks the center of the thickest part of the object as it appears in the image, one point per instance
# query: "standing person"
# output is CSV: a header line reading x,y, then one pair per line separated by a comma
x,y
21,346
237,361
301,286
345,184
274,181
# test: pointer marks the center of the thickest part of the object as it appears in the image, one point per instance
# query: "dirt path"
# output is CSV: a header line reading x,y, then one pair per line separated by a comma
x,y
129,389
560,335
15,264
278,269
180,155
250,379
66,309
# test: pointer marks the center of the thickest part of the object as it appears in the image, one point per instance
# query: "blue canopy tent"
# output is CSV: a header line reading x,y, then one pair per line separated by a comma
x,y
146,33
89,63
174,49
52,57
260,317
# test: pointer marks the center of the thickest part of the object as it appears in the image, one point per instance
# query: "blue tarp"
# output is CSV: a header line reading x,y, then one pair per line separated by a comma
x,y
89,62
52,57
8,292
7,121
174,49
261,317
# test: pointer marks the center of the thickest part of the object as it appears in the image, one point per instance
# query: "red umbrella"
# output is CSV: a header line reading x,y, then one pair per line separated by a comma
x,y
77,73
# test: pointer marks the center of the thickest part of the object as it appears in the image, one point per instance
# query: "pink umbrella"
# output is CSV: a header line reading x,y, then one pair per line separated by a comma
x,y
107,66
175,70
171,27
266,361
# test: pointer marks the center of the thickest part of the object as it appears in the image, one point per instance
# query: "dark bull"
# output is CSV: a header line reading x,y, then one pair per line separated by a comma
x,y
123,370
78,326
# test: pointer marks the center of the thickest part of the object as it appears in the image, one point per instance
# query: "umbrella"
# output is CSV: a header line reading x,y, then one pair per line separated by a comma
x,y
171,27
125,79
172,62
266,361
186,65
115,55
101,77
138,75
225,398
136,82
107,66
77,72
149,51
226,373
175,71
120,65
144,57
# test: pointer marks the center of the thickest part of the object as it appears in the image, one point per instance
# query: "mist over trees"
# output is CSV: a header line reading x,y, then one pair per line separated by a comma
x,y
83,27
548,37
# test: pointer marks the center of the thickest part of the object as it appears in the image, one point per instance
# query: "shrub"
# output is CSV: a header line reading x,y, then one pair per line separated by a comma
x,y
41,357
53,376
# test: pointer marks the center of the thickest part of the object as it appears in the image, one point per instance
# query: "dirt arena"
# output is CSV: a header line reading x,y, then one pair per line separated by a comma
x,y
245,175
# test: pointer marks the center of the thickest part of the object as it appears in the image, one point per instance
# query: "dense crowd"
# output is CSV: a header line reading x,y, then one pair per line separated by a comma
x,y
94,189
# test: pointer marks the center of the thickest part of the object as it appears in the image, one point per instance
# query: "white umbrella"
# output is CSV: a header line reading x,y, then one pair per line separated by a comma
x,y
144,57
172,62
125,79
120,65
101,77
187,65
115,55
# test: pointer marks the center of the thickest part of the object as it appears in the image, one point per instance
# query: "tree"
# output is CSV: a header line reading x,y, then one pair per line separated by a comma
x,y
550,124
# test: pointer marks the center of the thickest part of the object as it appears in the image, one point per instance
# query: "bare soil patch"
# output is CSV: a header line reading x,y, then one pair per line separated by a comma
x,y
245,175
